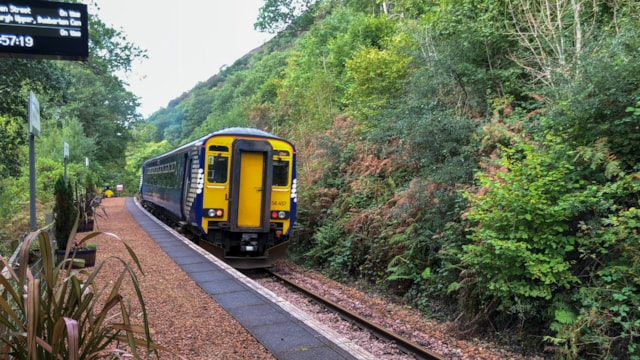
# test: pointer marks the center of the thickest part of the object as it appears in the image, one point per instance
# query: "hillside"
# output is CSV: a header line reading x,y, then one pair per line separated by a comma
x,y
476,158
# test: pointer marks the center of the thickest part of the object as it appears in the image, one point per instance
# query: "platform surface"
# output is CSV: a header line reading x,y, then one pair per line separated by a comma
x,y
287,332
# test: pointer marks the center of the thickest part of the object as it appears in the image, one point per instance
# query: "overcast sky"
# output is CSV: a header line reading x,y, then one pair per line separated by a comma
x,y
187,41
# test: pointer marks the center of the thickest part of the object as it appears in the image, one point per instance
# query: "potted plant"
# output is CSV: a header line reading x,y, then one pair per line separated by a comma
x,y
56,313
86,213
83,255
87,204
64,212
97,210
66,220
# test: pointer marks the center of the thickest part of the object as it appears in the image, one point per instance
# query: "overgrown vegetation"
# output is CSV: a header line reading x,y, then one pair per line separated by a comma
x,y
81,103
478,158
465,157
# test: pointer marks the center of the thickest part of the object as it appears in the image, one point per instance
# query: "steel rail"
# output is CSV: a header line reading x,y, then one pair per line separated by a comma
x,y
402,343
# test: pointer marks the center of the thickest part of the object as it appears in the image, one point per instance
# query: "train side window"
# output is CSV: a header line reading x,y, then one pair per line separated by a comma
x,y
217,169
280,173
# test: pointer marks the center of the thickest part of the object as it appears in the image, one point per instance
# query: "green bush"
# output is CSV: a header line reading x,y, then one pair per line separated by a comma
x,y
331,251
556,250
603,316
64,211
520,244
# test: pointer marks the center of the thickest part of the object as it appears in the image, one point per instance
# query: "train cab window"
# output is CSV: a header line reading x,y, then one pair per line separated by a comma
x,y
280,173
217,169
219,148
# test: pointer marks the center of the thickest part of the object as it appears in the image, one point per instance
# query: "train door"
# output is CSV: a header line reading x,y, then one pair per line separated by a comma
x,y
251,173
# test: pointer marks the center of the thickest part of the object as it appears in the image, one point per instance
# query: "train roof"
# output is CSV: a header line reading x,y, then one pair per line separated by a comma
x,y
233,131
243,131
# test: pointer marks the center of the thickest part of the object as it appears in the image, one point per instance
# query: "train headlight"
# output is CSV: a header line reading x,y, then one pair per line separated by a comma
x,y
279,214
215,213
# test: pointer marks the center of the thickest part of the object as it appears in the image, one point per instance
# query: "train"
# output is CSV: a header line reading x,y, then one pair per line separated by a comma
x,y
233,191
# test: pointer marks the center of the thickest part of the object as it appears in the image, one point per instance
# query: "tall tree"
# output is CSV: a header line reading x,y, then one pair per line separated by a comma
x,y
98,98
105,109
17,78
275,15
71,89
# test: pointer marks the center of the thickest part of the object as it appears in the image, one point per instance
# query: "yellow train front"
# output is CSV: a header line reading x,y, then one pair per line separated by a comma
x,y
237,192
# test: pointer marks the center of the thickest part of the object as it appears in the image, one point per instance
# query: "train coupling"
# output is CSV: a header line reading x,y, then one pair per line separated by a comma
x,y
249,242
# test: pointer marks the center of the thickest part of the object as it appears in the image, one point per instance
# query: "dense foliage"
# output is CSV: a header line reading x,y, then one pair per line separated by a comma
x,y
474,151
83,104
476,157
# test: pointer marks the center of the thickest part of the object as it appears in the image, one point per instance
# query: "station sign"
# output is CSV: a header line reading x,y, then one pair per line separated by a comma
x,y
34,114
44,29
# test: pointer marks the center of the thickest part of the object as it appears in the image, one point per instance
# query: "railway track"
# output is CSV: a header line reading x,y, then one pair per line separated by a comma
x,y
402,343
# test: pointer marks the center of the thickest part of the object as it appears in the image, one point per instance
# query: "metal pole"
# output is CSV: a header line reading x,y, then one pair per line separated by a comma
x,y
32,183
34,130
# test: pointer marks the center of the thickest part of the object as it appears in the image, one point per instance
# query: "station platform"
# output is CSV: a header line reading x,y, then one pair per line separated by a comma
x,y
284,330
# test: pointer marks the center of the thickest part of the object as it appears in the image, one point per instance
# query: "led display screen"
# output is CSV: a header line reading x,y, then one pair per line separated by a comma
x,y
43,29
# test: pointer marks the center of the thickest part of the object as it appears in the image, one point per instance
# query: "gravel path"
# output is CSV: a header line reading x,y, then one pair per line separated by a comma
x,y
185,319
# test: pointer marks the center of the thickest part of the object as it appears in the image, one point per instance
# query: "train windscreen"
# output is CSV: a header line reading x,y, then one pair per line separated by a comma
x,y
218,169
280,173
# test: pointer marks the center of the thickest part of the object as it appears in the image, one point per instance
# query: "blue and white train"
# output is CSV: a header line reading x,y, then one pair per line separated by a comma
x,y
235,189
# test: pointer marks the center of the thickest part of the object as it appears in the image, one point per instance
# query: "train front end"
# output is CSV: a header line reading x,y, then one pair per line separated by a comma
x,y
248,196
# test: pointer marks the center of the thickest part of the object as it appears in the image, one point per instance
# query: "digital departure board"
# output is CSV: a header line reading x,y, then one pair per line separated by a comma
x,y
43,29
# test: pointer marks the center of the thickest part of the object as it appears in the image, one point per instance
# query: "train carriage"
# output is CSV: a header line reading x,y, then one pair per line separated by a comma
x,y
235,189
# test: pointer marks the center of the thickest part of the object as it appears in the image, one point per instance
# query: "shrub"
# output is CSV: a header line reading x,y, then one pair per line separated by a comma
x,y
58,313
64,212
603,316
521,248
555,243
